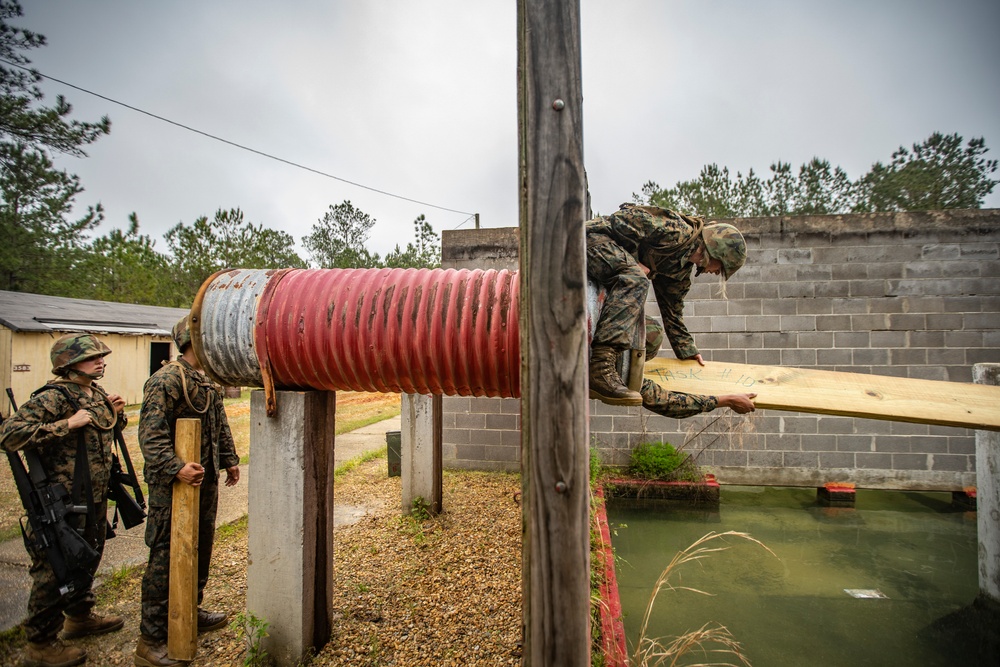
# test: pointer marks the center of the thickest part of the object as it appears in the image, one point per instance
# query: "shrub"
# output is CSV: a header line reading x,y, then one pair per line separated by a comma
x,y
660,461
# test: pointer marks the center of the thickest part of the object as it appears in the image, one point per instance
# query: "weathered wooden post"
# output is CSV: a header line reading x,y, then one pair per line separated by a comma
x,y
554,432
182,607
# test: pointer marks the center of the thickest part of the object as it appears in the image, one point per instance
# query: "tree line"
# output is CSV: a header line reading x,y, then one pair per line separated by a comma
x,y
44,249
936,174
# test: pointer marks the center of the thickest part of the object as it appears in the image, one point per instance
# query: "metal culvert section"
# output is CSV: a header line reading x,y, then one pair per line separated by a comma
x,y
421,331
224,313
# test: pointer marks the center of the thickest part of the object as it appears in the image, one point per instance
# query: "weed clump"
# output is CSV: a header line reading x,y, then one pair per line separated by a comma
x,y
661,461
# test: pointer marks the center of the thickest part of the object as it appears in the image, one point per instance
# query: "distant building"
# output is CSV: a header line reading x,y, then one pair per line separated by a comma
x,y
139,338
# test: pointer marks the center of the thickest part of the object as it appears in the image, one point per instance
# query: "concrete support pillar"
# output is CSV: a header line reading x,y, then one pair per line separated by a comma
x,y
988,495
420,420
290,575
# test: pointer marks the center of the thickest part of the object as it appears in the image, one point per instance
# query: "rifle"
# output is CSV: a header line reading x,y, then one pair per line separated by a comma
x,y
48,535
131,507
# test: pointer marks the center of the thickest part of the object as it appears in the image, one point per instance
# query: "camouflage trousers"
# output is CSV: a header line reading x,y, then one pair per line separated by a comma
x,y
661,401
156,580
46,605
617,271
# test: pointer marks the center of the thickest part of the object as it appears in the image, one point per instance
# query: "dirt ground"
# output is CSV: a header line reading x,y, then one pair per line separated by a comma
x,y
443,591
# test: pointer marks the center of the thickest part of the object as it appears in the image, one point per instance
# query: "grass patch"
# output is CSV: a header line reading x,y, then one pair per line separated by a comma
x,y
348,466
11,642
119,583
233,529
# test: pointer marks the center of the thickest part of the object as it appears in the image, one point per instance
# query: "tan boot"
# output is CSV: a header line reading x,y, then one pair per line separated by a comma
x,y
605,383
53,654
152,653
91,624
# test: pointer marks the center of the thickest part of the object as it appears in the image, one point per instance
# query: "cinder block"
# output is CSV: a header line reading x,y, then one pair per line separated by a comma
x,y
795,256
456,436
863,288
501,422
833,322
813,274
744,341
764,357
982,321
887,305
794,290
870,357
962,444
835,357
833,460
871,461
814,306
855,443
821,339
908,321
937,373
832,288
729,323
780,340
940,251
471,420
888,339
801,460
819,443
471,452
931,445
788,442
892,443
966,339
886,270
835,425
908,356
802,358
851,339
985,355
962,304
915,270
869,322
743,307
798,322
850,306
952,462
979,252
501,453
763,323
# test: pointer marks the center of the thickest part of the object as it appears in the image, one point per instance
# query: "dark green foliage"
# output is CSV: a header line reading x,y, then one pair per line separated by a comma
x,y
338,239
660,461
937,174
424,253
39,243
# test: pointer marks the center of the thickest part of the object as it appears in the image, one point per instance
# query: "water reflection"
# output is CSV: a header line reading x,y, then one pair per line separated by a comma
x,y
803,609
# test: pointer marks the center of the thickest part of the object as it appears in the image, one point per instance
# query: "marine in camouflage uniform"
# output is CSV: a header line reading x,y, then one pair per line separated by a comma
x,y
629,249
49,423
179,390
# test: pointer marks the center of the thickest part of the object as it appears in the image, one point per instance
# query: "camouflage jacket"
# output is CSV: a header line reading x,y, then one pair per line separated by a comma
x,y
163,404
42,423
662,240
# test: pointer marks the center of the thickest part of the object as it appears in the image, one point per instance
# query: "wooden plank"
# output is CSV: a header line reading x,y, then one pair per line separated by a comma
x,y
182,607
554,434
957,404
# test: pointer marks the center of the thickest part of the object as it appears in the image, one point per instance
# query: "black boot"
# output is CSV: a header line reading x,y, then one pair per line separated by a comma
x,y
605,383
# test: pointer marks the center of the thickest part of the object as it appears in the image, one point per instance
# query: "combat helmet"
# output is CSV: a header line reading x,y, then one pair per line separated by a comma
x,y
181,333
73,348
725,243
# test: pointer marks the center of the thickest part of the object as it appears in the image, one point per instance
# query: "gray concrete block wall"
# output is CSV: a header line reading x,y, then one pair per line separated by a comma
x,y
907,295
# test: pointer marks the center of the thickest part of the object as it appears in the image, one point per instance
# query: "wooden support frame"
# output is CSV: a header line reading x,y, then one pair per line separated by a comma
x,y
554,351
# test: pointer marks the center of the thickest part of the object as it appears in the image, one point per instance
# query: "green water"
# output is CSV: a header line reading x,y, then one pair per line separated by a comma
x,y
792,610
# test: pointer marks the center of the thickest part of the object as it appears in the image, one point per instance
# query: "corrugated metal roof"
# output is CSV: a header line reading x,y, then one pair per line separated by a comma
x,y
20,311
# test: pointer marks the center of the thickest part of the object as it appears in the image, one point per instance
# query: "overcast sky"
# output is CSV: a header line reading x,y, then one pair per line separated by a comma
x,y
418,99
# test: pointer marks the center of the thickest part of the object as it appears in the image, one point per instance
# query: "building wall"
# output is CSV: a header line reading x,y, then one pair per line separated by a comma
x,y
126,372
906,295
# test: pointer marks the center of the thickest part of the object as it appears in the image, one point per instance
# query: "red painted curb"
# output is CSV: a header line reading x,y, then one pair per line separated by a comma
x,y
612,627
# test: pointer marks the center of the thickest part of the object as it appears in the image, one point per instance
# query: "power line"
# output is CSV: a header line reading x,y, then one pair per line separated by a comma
x,y
234,144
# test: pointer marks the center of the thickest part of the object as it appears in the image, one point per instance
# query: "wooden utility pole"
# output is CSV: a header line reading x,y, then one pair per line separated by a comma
x,y
554,430
182,608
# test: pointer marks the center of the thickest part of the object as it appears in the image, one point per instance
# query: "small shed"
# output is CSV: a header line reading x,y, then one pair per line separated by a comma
x,y
139,338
